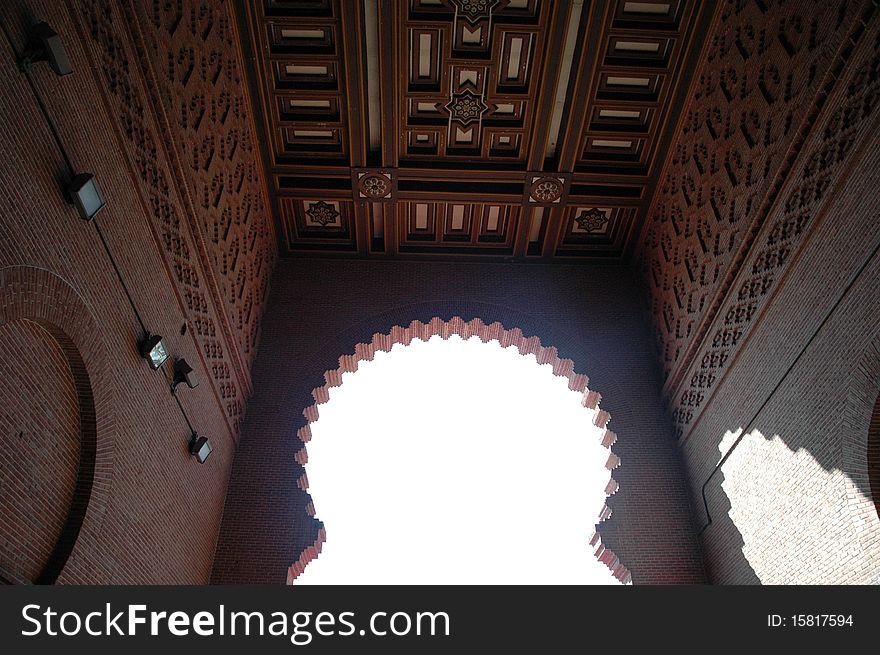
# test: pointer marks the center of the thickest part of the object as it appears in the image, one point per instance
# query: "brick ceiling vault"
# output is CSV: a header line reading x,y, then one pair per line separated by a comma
x,y
500,130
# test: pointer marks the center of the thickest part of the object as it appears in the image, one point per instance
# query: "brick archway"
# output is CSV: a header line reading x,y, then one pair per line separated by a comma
x,y
418,330
44,298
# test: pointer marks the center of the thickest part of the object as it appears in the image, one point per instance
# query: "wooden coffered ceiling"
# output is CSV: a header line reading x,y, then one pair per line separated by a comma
x,y
513,130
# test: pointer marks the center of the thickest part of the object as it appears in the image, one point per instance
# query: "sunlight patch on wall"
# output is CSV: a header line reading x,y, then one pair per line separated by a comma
x,y
792,513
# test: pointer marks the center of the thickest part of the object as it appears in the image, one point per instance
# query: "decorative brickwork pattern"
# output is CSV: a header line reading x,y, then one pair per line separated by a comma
x,y
296,569
53,270
192,55
760,91
760,256
228,210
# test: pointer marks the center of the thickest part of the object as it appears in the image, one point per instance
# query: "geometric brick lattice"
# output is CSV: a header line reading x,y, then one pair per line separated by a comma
x,y
172,82
749,169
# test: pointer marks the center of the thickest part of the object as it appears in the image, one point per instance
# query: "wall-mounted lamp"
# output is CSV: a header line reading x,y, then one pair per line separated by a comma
x,y
199,447
184,374
44,44
83,193
152,348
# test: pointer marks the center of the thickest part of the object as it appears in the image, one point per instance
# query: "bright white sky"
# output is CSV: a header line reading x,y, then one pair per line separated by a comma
x,y
456,462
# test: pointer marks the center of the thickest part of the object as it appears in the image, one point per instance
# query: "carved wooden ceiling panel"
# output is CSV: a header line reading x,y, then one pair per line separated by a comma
x,y
471,84
512,130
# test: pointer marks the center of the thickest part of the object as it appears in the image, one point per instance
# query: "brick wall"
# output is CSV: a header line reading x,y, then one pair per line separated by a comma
x,y
320,310
172,83
873,471
139,509
761,258
194,74
757,97
793,503
40,445
767,319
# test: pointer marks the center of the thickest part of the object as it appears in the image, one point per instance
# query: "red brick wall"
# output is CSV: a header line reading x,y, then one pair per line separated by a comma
x,y
793,503
152,512
761,259
319,310
756,97
874,455
40,442
190,57
527,346
172,83
771,328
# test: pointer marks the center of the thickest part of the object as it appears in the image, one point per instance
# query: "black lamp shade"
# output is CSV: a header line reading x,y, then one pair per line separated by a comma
x,y
45,45
152,348
184,374
200,447
85,196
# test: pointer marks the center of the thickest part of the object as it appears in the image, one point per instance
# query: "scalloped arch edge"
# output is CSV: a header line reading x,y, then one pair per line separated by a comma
x,y
544,355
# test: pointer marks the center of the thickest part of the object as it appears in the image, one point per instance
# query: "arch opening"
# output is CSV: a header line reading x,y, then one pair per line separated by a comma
x,y
50,447
459,482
